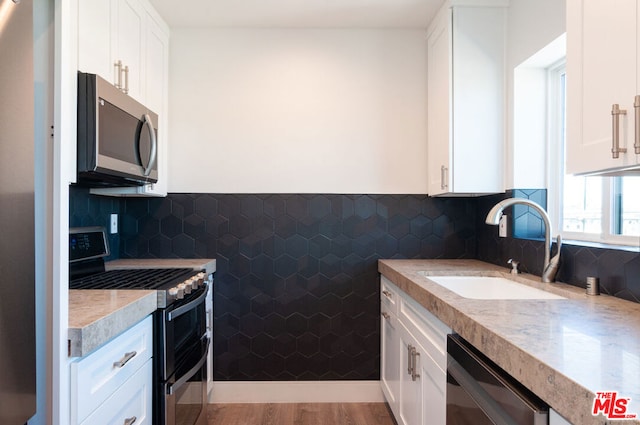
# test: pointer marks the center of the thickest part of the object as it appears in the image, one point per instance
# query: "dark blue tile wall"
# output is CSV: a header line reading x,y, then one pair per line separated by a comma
x,y
526,222
297,288
296,291
90,210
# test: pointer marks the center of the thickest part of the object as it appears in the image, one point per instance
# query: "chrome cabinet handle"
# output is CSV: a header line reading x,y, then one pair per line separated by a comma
x,y
409,362
636,107
615,131
414,355
443,177
154,145
130,421
386,315
125,359
118,77
387,294
126,80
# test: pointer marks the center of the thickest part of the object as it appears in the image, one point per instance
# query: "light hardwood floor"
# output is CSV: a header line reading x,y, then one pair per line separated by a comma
x,y
300,414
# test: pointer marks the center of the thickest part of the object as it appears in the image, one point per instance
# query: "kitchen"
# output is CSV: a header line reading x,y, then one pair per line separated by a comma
x,y
323,246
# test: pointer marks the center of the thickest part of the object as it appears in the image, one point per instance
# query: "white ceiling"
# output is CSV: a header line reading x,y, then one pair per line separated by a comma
x,y
298,13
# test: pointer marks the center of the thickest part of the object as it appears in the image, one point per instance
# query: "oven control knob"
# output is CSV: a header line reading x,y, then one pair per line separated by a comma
x,y
173,292
186,288
180,293
192,283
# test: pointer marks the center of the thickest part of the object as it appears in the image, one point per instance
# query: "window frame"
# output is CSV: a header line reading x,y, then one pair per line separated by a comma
x,y
556,119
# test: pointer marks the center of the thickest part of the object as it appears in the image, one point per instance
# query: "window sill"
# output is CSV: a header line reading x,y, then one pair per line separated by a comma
x,y
602,245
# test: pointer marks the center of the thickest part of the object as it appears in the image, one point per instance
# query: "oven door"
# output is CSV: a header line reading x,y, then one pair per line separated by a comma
x,y
185,392
180,355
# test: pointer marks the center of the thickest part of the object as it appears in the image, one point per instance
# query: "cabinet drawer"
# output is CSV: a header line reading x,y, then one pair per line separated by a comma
x,y
95,377
131,404
426,328
388,296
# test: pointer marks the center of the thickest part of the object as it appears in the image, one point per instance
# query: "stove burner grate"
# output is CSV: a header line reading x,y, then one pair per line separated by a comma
x,y
132,279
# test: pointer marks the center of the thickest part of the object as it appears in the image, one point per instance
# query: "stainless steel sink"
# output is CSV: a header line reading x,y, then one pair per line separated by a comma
x,y
491,288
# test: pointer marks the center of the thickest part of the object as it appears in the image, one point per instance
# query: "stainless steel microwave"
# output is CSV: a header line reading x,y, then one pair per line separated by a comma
x,y
117,136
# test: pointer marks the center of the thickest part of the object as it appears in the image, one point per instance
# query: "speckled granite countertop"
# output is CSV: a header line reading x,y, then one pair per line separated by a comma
x,y
96,316
563,350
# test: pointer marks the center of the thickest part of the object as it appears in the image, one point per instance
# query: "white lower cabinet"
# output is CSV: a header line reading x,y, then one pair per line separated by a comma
x,y
113,384
391,349
413,360
131,403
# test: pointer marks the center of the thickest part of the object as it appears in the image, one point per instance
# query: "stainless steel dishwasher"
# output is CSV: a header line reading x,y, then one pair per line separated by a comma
x,y
479,392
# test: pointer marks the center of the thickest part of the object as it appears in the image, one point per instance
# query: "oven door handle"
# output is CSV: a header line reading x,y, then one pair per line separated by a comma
x,y
192,371
483,399
185,308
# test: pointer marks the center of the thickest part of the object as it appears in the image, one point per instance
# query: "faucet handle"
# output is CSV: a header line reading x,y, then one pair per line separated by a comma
x,y
514,265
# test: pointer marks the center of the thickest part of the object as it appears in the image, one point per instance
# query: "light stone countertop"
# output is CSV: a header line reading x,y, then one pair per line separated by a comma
x,y
563,350
97,316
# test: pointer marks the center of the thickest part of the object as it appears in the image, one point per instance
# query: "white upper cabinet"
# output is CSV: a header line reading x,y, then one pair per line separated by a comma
x,y
602,71
465,84
117,39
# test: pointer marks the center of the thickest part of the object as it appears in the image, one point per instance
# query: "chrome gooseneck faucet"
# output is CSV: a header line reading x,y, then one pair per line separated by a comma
x,y
550,267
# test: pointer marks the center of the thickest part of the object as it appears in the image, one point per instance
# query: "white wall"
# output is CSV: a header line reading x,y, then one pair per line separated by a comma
x,y
297,111
532,25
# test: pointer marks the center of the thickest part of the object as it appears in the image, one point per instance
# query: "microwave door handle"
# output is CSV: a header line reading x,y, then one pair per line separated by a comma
x,y
154,146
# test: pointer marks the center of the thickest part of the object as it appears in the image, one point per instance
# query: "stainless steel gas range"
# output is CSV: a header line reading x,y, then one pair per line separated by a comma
x,y
181,339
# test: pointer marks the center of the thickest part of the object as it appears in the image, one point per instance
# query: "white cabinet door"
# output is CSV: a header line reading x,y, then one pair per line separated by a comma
x,y
130,46
95,21
601,71
439,104
411,396
433,382
156,95
465,94
390,349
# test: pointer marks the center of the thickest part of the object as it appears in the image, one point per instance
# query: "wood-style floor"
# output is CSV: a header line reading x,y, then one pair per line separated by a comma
x,y
300,414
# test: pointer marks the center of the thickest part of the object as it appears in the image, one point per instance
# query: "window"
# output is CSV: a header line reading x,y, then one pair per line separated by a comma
x,y
597,209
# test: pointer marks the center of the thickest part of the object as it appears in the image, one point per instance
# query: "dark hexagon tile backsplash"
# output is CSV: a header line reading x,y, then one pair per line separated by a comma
x,y
297,288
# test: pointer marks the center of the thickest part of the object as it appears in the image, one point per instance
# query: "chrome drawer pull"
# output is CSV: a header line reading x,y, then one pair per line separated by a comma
x,y
636,107
130,421
409,360
414,355
386,315
124,360
387,294
615,131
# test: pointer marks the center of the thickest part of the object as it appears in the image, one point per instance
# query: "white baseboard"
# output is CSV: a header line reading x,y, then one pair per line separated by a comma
x,y
296,392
